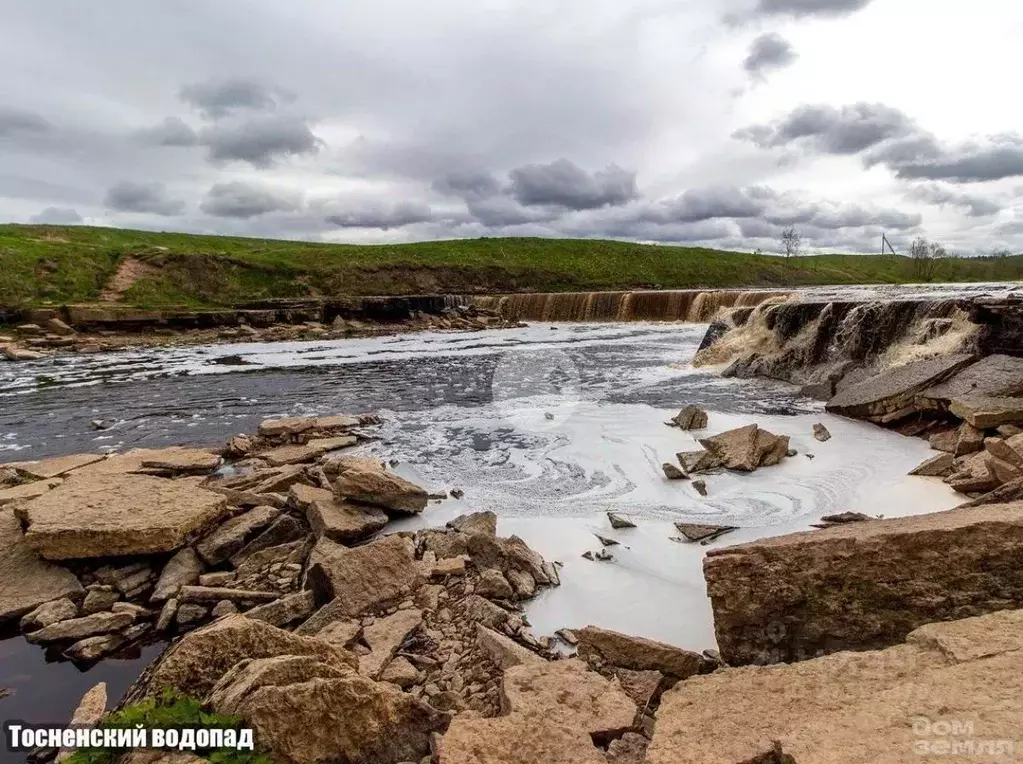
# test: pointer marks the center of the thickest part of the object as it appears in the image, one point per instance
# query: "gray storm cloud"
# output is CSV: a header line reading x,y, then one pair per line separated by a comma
x,y
375,122
768,52
885,135
58,216
218,98
563,184
143,197
246,200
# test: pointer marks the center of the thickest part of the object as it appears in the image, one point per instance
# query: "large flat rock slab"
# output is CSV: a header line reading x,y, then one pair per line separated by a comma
x,y
55,467
887,394
863,585
952,688
984,412
98,515
996,375
26,582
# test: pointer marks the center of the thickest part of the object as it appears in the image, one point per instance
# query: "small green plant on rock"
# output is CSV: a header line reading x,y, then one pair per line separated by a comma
x,y
171,710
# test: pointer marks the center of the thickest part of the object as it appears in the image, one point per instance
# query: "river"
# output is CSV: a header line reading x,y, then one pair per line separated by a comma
x,y
549,426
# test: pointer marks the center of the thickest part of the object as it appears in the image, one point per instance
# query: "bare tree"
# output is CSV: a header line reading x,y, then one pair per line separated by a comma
x,y
791,241
925,255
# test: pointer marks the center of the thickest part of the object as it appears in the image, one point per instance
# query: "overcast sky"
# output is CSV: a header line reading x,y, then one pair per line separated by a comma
x,y
716,122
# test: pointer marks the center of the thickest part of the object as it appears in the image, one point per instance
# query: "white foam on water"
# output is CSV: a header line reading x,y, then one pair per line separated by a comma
x,y
655,586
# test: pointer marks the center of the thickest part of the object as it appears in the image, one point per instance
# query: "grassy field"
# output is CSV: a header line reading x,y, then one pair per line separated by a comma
x,y
42,265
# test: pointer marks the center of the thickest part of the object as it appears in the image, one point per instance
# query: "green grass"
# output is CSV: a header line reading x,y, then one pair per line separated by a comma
x,y
54,265
171,710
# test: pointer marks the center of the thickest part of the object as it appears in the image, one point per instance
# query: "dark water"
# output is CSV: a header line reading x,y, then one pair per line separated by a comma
x,y
205,395
49,692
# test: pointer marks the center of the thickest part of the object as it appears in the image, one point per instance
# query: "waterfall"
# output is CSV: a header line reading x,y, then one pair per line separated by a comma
x,y
691,306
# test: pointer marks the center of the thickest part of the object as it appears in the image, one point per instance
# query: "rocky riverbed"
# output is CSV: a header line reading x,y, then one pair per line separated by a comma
x,y
330,573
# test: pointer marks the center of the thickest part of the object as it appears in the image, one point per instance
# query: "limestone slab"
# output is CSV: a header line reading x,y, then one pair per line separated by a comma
x,y
863,585
26,582
102,516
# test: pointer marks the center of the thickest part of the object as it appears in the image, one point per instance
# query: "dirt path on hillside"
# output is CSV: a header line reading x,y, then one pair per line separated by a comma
x,y
128,272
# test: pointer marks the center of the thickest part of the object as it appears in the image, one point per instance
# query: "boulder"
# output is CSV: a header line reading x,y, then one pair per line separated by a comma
x,y
937,466
1005,493
99,598
49,613
364,578
862,585
821,433
643,687
356,719
231,537
638,653
554,712
183,460
337,520
477,522
1002,471
630,748
568,691
96,516
694,462
286,610
56,326
79,628
57,466
26,582
92,649
515,740
259,562
944,440
182,569
195,663
381,489
276,428
336,465
1007,449
994,375
693,532
949,686
988,412
401,673
747,448
971,474
671,472
282,531
308,452
690,418
620,522
335,423
889,395
384,637
90,710
502,651
969,440
494,585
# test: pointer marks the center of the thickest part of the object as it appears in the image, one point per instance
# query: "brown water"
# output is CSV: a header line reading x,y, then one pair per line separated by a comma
x,y
691,306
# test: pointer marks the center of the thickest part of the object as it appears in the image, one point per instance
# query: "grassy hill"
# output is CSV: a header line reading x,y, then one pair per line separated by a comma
x,y
77,264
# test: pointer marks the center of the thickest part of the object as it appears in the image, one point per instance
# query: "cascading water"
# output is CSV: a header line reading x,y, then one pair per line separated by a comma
x,y
692,306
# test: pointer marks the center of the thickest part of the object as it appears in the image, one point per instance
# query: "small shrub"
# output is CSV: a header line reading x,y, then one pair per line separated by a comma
x,y
171,710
